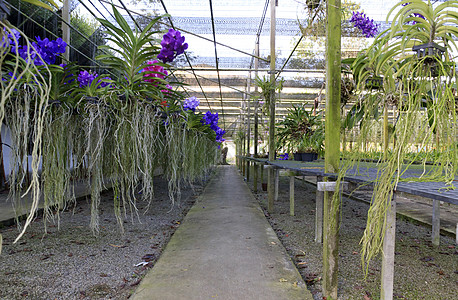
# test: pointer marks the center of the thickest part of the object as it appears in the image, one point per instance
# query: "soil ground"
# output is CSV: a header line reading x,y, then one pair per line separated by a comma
x,y
72,263
422,271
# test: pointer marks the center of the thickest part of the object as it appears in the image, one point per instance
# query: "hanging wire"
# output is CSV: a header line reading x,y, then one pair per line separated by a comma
x,y
139,28
258,33
225,85
187,58
295,47
109,12
289,57
217,63
189,32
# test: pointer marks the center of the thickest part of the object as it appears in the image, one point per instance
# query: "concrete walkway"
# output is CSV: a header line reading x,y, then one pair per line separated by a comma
x,y
224,249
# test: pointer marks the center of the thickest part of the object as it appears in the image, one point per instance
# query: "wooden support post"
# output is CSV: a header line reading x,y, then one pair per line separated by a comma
x,y
248,166
319,213
332,142
270,189
321,188
255,177
256,136
436,221
242,161
456,234
248,126
330,248
271,174
291,195
277,179
386,292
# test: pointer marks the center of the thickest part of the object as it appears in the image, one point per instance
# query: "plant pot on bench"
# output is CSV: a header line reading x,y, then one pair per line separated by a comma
x,y
305,156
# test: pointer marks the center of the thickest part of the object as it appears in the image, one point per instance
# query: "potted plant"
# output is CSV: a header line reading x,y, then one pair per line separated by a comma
x,y
301,132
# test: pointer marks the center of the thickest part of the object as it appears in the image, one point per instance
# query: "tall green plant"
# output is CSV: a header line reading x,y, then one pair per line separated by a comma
x,y
133,50
413,81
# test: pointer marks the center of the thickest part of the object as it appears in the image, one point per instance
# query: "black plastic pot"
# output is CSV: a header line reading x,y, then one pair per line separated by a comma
x,y
309,156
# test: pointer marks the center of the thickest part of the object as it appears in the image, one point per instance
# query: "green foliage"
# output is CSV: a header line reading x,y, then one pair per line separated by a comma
x,y
48,4
267,88
120,134
300,131
420,85
133,50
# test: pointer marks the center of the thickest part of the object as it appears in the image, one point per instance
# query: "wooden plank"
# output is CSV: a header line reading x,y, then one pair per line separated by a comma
x,y
288,173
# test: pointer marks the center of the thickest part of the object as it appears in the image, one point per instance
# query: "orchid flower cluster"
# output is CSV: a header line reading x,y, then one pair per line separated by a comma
x,y
172,46
11,39
212,120
363,23
85,79
43,51
414,14
191,103
153,71
47,49
284,156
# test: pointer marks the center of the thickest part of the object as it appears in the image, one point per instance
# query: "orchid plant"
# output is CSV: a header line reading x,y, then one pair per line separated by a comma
x,y
138,122
419,81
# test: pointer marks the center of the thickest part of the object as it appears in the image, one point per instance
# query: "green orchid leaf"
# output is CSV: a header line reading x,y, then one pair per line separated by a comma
x,y
51,7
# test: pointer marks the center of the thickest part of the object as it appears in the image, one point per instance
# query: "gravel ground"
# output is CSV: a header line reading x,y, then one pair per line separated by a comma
x,y
71,263
422,271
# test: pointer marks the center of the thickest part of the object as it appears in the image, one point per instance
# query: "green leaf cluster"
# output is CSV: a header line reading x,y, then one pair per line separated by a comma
x,y
129,55
300,131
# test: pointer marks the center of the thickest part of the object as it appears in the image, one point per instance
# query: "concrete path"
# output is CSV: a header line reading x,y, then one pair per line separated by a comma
x,y
224,249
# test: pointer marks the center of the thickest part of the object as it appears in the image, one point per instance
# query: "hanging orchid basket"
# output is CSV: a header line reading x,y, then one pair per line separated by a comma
x,y
431,53
313,4
92,100
430,50
374,83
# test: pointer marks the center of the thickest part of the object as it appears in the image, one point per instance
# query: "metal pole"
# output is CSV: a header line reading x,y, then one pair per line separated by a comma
x,y
271,172
248,131
65,27
256,103
332,142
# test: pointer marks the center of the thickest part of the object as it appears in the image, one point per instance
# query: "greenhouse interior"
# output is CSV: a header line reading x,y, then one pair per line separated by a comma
x,y
256,149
